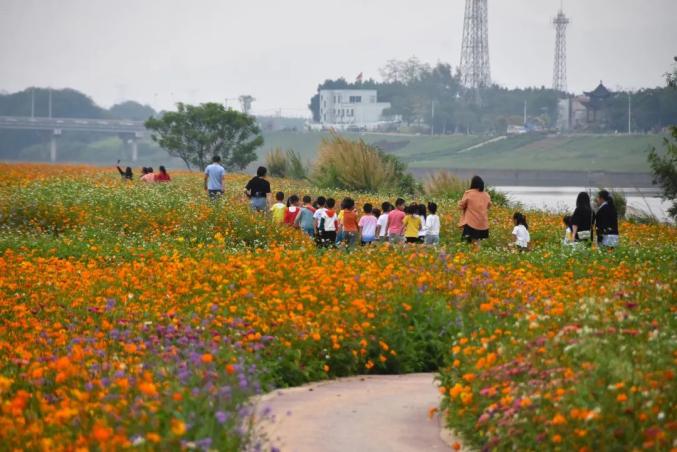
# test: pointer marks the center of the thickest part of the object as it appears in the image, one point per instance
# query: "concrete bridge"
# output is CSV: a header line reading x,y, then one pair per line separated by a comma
x,y
125,129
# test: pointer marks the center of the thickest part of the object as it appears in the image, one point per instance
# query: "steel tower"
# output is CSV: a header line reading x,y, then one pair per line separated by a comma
x,y
559,70
475,69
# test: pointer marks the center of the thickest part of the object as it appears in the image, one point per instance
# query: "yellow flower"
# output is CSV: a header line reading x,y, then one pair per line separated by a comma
x,y
178,427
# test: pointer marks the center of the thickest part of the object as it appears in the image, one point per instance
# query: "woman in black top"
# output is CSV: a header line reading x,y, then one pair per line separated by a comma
x,y
257,190
126,174
606,220
581,220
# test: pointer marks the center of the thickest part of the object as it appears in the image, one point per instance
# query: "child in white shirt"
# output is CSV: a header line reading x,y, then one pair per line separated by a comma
x,y
568,232
521,231
432,225
382,222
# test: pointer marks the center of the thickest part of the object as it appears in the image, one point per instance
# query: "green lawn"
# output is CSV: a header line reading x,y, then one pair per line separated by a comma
x,y
529,152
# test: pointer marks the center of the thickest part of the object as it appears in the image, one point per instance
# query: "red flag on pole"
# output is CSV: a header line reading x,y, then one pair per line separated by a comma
x,y
358,79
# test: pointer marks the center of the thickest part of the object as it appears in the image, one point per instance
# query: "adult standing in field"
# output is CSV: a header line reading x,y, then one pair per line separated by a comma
x,y
258,190
214,178
581,220
474,207
606,221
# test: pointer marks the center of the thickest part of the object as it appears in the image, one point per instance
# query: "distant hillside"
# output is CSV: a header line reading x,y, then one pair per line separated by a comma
x,y
612,153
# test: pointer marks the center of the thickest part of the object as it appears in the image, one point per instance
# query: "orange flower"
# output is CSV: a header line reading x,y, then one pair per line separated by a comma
x,y
178,427
558,420
101,432
148,388
207,358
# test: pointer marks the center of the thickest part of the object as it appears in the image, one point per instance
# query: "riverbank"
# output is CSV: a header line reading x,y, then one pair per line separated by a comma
x,y
544,178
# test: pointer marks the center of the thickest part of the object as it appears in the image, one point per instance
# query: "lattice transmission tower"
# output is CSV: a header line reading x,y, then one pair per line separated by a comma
x,y
475,68
559,70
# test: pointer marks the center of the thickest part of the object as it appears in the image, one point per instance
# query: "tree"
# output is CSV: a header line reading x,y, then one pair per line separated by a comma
x,y
664,169
194,133
131,110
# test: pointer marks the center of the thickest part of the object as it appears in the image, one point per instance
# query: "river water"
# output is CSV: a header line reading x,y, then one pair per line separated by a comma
x,y
563,199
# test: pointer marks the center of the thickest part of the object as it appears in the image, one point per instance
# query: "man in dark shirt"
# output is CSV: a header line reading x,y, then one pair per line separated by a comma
x,y
257,190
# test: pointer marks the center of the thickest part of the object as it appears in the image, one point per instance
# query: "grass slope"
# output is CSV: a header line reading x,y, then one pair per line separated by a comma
x,y
528,152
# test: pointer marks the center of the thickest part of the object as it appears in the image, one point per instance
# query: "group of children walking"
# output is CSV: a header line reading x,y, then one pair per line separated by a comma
x,y
330,227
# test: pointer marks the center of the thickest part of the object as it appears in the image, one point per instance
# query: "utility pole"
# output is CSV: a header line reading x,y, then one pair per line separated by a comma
x,y
629,113
50,102
432,121
525,112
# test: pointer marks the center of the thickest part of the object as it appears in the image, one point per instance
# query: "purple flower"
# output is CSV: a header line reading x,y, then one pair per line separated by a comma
x,y
204,444
222,416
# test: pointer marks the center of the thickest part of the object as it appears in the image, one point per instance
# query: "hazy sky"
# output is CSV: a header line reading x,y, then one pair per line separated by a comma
x,y
163,51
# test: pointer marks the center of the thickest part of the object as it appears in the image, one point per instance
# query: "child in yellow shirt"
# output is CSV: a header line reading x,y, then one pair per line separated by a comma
x,y
411,225
279,208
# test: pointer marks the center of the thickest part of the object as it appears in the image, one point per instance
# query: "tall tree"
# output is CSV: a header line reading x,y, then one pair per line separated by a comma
x,y
131,110
194,133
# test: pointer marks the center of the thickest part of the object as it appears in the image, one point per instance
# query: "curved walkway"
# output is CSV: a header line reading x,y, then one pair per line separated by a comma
x,y
365,414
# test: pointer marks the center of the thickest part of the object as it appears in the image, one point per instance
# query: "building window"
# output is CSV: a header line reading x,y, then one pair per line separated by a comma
x,y
355,99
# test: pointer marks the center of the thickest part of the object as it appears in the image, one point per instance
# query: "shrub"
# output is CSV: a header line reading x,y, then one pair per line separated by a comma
x,y
664,171
356,165
276,162
444,184
498,198
620,203
295,167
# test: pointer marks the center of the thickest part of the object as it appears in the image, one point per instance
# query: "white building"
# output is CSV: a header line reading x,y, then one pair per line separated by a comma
x,y
344,109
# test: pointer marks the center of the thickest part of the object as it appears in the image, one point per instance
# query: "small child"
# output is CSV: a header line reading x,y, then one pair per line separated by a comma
x,y
367,225
395,222
317,217
521,231
432,225
279,208
411,224
568,231
292,210
328,223
307,203
382,222
422,213
348,222
304,220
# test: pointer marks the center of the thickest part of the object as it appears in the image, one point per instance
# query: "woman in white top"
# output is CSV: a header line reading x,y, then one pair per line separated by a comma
x,y
521,231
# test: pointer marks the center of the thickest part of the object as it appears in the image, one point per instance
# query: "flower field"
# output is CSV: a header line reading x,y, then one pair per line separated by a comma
x,y
145,316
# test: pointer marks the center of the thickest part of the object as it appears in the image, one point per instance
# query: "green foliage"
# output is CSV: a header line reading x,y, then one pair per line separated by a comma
x,y
444,183
195,133
413,87
664,169
131,110
620,202
276,162
296,169
355,165
286,164
498,198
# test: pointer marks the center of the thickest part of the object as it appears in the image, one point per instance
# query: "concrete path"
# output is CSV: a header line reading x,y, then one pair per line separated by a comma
x,y
360,414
